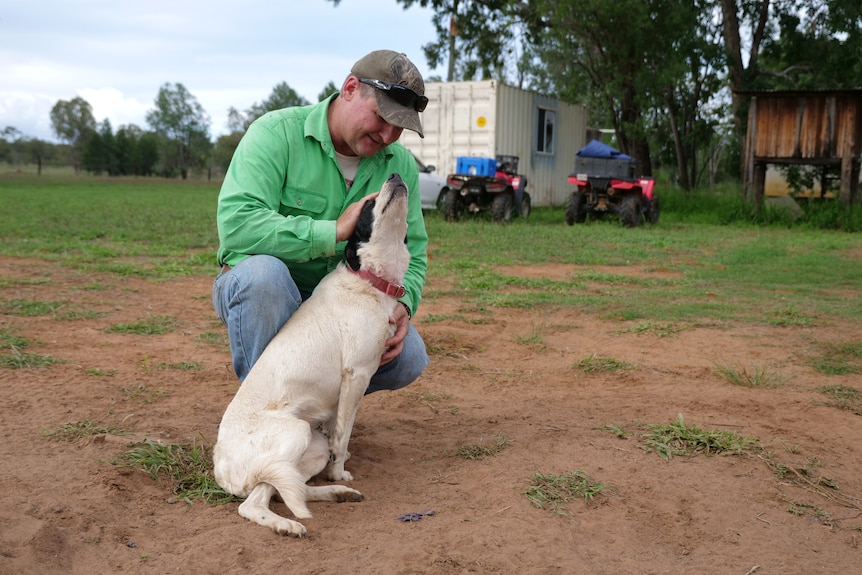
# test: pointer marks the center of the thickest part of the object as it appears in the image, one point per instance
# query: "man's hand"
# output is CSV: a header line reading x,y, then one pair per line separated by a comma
x,y
395,344
346,222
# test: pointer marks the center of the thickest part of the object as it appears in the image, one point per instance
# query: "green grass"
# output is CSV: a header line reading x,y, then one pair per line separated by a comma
x,y
670,274
152,325
143,393
597,364
81,429
840,359
130,227
555,492
482,450
534,338
680,438
757,377
186,469
29,308
12,355
708,261
843,397
655,328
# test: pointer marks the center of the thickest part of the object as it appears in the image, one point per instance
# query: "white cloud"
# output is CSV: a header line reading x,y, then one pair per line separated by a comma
x,y
116,55
29,113
118,108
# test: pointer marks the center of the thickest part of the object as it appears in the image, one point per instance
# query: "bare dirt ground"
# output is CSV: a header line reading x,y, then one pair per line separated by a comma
x,y
64,509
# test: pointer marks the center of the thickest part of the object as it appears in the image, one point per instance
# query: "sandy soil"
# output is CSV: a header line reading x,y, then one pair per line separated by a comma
x,y
65,509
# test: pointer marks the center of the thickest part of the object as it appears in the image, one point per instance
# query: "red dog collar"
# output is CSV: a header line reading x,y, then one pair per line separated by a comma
x,y
387,287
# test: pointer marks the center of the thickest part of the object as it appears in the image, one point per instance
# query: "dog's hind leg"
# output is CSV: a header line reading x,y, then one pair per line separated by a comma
x,y
256,508
333,493
314,460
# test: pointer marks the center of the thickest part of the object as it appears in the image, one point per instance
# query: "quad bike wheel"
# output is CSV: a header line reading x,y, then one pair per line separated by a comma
x,y
502,207
653,211
630,210
575,212
526,205
451,206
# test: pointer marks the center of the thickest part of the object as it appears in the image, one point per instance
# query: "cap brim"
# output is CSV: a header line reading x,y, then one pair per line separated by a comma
x,y
398,115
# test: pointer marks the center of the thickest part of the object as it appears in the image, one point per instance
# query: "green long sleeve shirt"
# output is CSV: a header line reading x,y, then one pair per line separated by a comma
x,y
284,190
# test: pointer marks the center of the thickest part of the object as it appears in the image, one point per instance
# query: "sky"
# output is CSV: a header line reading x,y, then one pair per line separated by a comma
x,y
116,54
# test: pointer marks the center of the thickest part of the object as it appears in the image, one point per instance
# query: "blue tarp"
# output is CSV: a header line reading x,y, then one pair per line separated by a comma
x,y
597,149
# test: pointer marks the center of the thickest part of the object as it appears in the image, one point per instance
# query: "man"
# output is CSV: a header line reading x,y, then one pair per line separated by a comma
x,y
292,196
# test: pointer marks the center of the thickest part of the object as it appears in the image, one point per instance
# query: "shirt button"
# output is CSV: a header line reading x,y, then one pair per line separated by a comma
x,y
298,202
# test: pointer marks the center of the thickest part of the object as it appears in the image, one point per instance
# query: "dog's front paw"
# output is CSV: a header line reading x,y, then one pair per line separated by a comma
x,y
290,528
335,472
342,475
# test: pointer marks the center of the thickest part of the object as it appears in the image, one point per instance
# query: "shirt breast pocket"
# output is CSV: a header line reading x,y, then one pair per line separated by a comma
x,y
302,202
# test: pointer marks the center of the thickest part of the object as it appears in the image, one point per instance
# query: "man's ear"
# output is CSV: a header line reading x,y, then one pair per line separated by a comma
x,y
350,88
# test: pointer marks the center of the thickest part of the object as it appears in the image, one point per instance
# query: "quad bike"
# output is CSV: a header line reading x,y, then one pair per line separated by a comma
x,y
606,184
503,194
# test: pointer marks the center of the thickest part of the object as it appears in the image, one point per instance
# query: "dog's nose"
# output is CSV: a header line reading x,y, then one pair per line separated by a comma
x,y
395,179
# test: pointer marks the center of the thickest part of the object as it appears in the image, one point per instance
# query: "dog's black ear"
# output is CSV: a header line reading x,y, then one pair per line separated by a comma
x,y
361,234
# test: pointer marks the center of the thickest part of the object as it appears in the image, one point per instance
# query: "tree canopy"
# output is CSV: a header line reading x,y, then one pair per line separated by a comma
x,y
183,125
666,75
73,122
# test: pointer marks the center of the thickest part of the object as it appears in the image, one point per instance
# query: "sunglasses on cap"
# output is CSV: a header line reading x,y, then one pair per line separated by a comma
x,y
401,94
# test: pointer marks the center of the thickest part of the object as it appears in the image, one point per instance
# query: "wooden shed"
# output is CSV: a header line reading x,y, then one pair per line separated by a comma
x,y
810,127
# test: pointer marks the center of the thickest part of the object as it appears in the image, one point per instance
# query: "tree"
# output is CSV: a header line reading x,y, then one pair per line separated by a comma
x,y
148,154
282,96
815,50
183,125
8,137
327,91
692,80
477,37
625,59
39,151
93,158
109,147
126,147
73,122
668,75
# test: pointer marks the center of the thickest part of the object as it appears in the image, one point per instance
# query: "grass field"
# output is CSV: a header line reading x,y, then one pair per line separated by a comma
x,y
787,274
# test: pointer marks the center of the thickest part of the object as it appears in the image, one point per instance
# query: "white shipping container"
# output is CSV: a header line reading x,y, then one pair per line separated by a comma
x,y
488,118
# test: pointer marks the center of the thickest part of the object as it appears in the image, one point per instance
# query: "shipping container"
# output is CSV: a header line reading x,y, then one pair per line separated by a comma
x,y
488,119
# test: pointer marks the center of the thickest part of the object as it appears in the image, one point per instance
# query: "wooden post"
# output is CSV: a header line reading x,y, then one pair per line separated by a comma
x,y
759,184
748,193
849,163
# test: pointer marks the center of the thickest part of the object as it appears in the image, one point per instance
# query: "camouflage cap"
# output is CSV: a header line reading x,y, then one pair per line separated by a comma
x,y
399,88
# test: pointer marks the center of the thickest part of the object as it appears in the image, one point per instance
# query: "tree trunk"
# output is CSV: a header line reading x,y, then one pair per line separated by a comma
x,y
733,44
681,164
453,32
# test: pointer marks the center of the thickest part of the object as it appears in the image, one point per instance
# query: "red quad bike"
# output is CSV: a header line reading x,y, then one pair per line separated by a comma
x,y
606,183
487,185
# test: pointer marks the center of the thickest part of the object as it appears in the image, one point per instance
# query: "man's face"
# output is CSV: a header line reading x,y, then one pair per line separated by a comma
x,y
363,130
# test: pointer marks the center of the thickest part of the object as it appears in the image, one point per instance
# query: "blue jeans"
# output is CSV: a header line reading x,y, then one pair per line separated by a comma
x,y
258,296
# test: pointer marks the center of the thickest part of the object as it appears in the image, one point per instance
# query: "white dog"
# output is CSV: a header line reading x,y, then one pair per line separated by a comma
x,y
307,384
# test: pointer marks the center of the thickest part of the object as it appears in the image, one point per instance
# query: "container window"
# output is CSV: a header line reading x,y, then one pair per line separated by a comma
x,y
546,131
